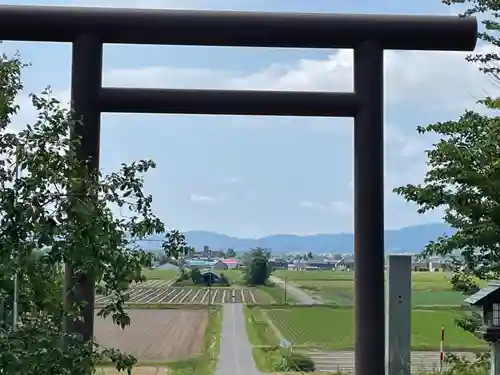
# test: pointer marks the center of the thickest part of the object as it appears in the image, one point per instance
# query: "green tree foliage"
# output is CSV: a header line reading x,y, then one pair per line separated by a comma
x,y
463,178
175,245
55,210
463,175
463,282
257,269
299,362
195,275
488,11
230,253
224,279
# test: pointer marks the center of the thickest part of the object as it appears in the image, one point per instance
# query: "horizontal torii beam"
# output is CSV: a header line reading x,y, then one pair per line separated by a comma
x,y
228,28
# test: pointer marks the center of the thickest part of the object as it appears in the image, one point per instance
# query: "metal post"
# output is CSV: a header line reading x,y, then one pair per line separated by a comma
x,y
398,315
86,81
369,210
495,358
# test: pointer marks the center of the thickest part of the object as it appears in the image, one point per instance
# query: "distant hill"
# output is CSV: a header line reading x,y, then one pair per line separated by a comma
x,y
409,239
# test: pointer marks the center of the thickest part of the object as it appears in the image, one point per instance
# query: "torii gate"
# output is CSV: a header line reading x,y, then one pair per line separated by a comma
x,y
369,35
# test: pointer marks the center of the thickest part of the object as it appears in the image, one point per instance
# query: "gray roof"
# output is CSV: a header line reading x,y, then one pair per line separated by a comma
x,y
477,297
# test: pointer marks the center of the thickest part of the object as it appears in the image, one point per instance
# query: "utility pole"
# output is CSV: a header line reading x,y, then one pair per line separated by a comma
x,y
285,290
15,303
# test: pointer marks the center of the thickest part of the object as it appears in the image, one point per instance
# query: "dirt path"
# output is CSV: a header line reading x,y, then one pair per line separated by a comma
x,y
302,297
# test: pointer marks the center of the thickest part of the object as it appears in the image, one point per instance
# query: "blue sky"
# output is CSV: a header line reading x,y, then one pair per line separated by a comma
x,y
254,176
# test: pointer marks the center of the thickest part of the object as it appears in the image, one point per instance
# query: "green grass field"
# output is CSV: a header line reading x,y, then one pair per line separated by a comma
x,y
337,288
158,274
332,328
431,278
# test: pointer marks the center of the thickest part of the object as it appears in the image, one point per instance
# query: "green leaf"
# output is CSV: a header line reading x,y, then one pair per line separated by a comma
x,y
59,211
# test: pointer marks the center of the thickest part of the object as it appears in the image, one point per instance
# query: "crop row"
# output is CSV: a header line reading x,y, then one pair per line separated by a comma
x,y
333,328
182,295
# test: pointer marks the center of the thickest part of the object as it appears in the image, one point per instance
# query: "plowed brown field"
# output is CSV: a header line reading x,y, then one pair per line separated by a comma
x,y
156,335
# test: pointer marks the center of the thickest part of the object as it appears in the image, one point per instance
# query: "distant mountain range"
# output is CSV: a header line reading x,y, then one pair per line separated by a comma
x,y
409,239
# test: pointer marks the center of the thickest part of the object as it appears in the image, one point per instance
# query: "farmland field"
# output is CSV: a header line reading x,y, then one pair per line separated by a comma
x,y
345,296
159,274
158,292
440,279
326,331
337,288
332,328
156,335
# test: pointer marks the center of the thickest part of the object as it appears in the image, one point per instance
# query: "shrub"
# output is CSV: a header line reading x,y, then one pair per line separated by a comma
x,y
224,280
183,276
460,365
299,362
462,282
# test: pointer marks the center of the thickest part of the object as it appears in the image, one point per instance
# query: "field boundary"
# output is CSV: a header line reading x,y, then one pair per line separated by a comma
x,y
273,327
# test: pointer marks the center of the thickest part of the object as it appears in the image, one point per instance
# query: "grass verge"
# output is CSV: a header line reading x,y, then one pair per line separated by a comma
x,y
259,331
271,359
268,359
277,294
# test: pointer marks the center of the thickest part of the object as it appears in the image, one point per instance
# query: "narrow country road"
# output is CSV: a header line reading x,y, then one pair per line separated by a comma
x,y
235,356
302,297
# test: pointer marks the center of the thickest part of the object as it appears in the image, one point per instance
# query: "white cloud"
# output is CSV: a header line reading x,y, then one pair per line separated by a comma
x,y
313,206
441,80
418,83
415,82
204,199
428,80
